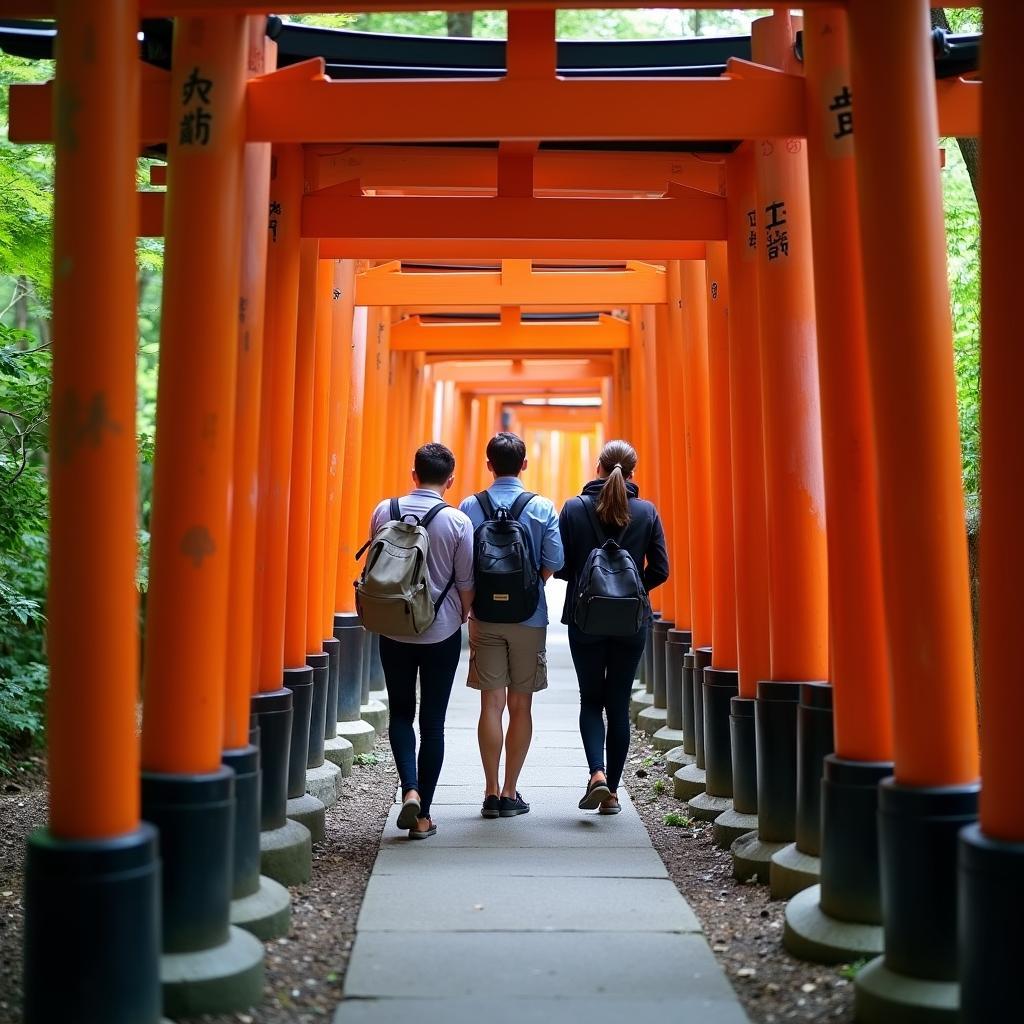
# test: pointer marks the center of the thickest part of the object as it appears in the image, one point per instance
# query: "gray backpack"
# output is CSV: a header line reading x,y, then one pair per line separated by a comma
x,y
392,595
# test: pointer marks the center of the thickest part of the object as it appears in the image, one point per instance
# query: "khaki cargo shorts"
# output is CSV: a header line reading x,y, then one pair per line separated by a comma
x,y
507,654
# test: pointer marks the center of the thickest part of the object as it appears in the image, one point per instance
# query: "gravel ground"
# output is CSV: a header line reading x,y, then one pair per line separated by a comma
x,y
742,924
306,969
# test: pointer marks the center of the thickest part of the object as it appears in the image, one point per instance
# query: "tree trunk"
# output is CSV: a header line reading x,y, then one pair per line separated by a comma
x,y
969,148
460,23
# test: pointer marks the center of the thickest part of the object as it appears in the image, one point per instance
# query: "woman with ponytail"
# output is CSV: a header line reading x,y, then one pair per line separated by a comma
x,y
608,508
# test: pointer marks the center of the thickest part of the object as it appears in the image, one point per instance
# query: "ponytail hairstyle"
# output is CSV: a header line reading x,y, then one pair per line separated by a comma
x,y
618,460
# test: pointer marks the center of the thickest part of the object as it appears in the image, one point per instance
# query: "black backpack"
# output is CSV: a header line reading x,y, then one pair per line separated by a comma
x,y
507,580
611,599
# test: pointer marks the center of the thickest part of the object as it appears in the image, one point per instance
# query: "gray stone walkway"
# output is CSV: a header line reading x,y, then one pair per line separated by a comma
x,y
557,915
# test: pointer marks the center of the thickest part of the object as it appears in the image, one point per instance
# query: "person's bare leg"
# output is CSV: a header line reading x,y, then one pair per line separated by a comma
x,y
490,736
517,742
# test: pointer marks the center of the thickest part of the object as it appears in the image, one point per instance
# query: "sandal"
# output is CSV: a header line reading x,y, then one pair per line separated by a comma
x,y
415,833
596,794
409,813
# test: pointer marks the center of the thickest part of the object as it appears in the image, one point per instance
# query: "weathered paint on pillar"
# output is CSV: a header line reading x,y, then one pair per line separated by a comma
x,y
321,405
794,487
341,378
186,622
750,534
1002,472
723,567
859,669
277,403
353,527
92,606
913,386
240,668
698,440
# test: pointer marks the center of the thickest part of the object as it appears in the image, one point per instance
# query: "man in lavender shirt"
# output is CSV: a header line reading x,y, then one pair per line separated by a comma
x,y
434,654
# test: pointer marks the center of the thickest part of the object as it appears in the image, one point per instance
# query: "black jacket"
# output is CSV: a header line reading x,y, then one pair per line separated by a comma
x,y
644,538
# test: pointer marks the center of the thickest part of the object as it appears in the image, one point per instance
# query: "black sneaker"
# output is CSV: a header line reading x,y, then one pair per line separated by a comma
x,y
511,806
491,807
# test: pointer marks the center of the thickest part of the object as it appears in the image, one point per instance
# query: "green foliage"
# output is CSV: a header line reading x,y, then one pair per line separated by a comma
x,y
659,786
677,819
850,971
366,760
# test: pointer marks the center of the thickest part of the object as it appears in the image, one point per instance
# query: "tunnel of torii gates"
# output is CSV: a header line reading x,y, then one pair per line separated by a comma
x,y
703,262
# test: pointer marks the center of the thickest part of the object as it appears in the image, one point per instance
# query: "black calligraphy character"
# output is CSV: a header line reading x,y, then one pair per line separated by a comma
x,y
195,128
275,210
772,209
752,221
714,289
841,105
336,294
194,84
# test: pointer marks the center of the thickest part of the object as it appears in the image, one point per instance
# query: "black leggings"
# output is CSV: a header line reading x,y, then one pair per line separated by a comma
x,y
436,665
605,667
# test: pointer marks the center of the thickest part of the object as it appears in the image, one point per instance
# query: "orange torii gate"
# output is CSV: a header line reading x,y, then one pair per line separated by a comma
x,y
323,450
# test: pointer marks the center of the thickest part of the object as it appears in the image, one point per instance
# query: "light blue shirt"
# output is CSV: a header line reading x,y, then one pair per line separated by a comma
x,y
541,521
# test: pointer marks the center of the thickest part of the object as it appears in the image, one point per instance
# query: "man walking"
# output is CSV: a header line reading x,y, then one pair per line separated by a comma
x,y
517,547
433,653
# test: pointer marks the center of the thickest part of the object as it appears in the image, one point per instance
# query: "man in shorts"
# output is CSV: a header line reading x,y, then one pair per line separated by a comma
x,y
508,660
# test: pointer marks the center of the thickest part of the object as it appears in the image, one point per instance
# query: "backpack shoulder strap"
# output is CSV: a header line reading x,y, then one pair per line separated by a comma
x,y
486,505
396,510
432,512
588,505
520,504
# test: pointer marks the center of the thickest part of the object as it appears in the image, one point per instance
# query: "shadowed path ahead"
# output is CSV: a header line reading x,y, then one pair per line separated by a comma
x,y
557,915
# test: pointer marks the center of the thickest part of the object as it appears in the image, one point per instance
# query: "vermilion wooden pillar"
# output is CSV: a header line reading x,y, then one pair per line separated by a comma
x,y
92,876
991,855
841,920
186,791
921,509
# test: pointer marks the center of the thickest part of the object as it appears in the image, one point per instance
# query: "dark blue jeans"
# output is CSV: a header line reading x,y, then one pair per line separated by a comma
x,y
435,664
605,668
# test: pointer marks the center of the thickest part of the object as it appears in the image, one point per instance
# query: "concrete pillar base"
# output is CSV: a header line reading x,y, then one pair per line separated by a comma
x,y
667,739
651,720
360,734
339,751
688,782
267,913
730,825
751,856
308,811
810,934
678,758
324,783
376,714
225,979
286,854
791,871
884,997
381,696
706,807
640,700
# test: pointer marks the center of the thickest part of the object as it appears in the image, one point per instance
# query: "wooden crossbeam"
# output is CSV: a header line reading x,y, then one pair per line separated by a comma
x,y
603,335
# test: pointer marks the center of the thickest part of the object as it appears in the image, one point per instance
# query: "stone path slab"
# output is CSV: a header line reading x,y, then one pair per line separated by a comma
x,y
574,909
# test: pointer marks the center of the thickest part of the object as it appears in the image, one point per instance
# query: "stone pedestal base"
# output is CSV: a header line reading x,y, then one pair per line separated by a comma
x,y
811,934
376,714
381,696
308,811
667,739
324,783
224,979
640,700
791,871
678,758
751,856
885,997
286,854
706,807
688,782
730,825
267,913
651,720
360,734
339,751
